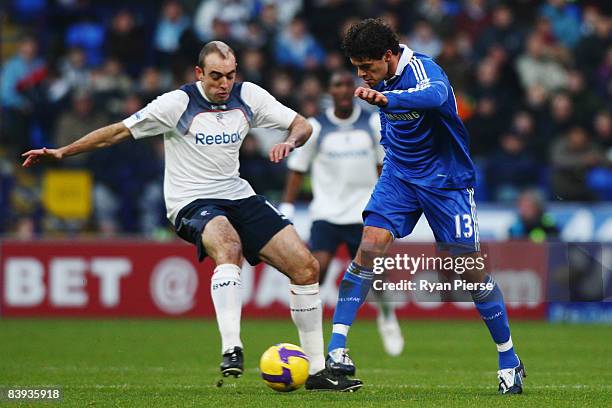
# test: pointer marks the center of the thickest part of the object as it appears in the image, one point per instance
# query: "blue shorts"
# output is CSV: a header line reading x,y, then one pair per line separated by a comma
x,y
255,220
325,236
396,205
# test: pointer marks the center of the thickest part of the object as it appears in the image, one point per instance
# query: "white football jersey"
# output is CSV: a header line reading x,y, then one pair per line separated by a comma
x,y
202,139
343,155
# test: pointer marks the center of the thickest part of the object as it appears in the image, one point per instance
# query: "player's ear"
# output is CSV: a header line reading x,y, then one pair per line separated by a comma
x,y
387,56
199,73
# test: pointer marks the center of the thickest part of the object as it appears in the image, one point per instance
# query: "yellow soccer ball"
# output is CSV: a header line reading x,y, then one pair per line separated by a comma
x,y
284,367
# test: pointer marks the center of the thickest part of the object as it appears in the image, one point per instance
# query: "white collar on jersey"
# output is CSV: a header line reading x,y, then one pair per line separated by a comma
x,y
329,112
405,58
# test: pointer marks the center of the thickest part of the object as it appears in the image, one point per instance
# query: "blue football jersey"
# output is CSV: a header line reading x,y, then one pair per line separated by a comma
x,y
425,141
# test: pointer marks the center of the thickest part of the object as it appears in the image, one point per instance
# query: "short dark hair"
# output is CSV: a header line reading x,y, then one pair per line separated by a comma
x,y
218,47
370,39
339,73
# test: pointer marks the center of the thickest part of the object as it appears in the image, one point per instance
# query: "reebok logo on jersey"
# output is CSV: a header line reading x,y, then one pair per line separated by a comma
x,y
225,138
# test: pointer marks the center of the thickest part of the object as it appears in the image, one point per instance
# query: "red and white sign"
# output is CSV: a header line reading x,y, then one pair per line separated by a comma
x,y
147,279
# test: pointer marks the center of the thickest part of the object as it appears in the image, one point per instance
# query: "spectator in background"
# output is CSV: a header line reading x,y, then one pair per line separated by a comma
x,y
457,67
506,71
536,66
256,36
560,118
584,100
87,34
169,29
334,60
401,8
473,18
311,88
604,77
523,126
572,156
488,84
559,87
16,108
485,126
599,179
532,222
234,14
423,39
310,107
126,41
438,14
152,84
504,31
269,21
297,48
81,119
536,103
252,67
283,88
565,21
110,84
325,16
285,10
602,127
73,74
591,49
512,168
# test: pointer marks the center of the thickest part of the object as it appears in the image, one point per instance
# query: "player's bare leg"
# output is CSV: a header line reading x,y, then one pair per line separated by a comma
x,y
286,252
353,291
490,305
223,245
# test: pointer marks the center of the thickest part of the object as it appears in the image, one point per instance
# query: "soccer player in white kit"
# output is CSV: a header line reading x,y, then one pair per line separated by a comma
x,y
203,125
344,157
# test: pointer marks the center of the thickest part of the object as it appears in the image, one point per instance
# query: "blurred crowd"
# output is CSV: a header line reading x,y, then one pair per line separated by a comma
x,y
533,81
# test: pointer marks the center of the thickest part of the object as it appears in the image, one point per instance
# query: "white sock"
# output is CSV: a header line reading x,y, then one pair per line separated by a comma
x,y
225,292
307,314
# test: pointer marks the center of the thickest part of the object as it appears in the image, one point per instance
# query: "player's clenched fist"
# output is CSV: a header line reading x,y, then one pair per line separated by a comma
x,y
371,96
280,151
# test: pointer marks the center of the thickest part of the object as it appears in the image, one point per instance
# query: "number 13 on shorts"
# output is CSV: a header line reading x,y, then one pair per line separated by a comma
x,y
464,226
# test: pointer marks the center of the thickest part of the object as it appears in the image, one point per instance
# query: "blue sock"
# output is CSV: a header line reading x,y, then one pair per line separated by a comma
x,y
490,305
353,291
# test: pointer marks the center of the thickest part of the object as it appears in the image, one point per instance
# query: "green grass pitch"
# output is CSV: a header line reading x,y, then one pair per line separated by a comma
x,y
129,363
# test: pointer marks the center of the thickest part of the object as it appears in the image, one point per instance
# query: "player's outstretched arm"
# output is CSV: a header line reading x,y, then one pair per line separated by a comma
x,y
103,137
299,132
426,95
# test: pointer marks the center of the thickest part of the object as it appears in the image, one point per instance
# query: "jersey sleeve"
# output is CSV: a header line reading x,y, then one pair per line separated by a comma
x,y
431,90
376,129
159,116
301,158
267,111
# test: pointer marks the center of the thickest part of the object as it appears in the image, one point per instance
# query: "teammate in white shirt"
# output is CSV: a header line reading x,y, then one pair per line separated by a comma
x,y
203,125
344,157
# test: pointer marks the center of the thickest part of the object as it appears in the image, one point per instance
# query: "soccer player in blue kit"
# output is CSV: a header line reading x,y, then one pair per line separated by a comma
x,y
427,170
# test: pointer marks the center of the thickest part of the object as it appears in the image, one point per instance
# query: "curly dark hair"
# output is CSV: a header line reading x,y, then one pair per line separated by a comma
x,y
370,39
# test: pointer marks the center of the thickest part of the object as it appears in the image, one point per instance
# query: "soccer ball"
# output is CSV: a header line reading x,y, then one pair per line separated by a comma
x,y
284,367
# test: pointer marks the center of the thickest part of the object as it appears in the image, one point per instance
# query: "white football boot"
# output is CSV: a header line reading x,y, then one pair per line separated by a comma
x,y
390,333
339,362
511,379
